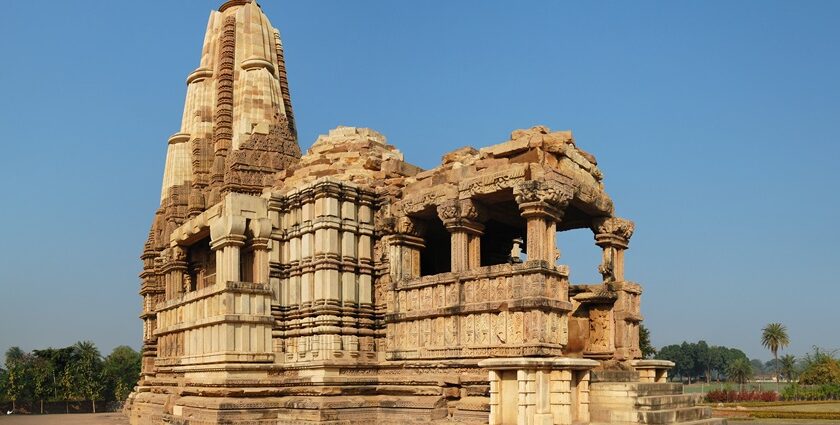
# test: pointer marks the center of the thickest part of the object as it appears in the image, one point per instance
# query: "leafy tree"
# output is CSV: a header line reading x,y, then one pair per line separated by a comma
x,y
774,336
702,360
87,372
718,360
18,376
687,357
820,368
42,377
648,351
757,366
122,367
67,387
787,365
740,371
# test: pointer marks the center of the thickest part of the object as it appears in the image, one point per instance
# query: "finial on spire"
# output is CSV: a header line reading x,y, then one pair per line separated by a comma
x,y
230,3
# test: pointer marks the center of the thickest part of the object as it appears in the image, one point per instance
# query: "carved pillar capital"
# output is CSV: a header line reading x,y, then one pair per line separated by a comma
x,y
542,198
409,227
260,228
227,231
461,215
173,259
613,231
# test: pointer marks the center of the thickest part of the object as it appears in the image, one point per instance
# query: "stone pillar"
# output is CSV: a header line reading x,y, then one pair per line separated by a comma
x,y
174,271
406,244
261,243
612,234
461,220
542,205
227,235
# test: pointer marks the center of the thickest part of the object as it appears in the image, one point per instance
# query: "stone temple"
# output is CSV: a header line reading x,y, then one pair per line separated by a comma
x,y
347,286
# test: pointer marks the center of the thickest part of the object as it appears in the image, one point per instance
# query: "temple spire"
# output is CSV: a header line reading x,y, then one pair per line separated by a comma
x,y
231,3
237,101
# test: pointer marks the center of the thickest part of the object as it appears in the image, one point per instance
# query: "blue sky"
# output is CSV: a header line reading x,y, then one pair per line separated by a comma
x,y
716,125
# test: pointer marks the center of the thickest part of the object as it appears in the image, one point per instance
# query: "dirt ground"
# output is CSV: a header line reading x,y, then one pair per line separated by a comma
x,y
73,419
782,422
120,419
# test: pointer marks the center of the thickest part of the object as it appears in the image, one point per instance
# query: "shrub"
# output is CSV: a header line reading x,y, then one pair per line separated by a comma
x,y
730,396
821,392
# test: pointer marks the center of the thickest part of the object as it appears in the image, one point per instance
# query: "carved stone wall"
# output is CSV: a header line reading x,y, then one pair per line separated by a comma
x,y
324,283
347,286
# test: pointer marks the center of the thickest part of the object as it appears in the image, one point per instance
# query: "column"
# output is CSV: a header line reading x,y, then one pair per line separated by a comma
x,y
406,244
227,236
612,234
260,244
460,217
542,205
174,271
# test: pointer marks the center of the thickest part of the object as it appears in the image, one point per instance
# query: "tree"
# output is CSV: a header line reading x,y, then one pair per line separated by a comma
x,y
648,351
14,354
739,371
122,368
4,377
757,366
42,377
702,360
18,376
774,337
787,365
87,372
687,358
820,368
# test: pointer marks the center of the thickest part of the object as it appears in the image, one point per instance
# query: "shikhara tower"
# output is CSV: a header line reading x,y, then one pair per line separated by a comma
x,y
347,286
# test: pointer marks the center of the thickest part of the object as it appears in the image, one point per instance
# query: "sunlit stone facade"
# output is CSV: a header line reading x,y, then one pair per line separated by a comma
x,y
347,286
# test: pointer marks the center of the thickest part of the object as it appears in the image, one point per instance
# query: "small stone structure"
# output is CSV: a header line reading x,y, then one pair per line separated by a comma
x,y
347,286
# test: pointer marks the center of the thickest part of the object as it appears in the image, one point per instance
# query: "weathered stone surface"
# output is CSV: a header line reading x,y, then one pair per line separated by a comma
x,y
347,286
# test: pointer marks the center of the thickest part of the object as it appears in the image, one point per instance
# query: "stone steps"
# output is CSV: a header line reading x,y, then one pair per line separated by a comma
x,y
653,389
679,415
634,403
707,421
662,402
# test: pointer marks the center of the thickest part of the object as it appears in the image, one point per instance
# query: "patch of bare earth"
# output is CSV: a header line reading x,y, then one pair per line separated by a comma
x,y
72,419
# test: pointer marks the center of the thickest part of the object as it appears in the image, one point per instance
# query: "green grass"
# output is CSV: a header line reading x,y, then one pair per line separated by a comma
x,y
832,407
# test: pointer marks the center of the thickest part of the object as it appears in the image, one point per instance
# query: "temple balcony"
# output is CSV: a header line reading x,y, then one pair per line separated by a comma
x,y
225,323
500,310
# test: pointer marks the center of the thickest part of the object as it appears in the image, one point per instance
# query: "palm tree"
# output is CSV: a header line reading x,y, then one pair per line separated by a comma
x,y
14,354
739,371
774,337
788,366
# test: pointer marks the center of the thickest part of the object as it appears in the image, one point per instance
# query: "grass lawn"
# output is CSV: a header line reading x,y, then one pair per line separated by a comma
x,y
811,407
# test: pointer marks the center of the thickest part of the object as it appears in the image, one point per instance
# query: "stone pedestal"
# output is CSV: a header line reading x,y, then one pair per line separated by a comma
x,y
539,391
650,370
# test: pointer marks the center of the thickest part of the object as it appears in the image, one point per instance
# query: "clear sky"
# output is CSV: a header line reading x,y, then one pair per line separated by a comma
x,y
716,125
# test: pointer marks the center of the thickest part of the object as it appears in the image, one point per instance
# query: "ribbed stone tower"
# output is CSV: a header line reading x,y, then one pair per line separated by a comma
x,y
348,286
236,133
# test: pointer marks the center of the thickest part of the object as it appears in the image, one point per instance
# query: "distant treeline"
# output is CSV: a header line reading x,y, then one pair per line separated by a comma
x,y
67,379
701,361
